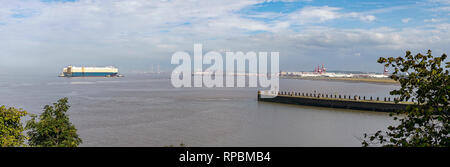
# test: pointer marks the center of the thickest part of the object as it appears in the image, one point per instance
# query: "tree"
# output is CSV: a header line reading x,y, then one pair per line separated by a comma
x,y
11,127
54,128
425,81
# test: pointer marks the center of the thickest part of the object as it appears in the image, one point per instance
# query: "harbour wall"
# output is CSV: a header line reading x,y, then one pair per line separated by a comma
x,y
336,101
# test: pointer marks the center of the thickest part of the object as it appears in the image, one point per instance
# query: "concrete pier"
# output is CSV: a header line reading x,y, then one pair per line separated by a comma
x,y
336,101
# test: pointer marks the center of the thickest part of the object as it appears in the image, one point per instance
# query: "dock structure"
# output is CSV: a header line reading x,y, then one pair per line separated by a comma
x,y
336,101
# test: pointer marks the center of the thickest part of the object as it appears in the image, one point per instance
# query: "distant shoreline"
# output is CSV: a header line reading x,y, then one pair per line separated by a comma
x,y
364,80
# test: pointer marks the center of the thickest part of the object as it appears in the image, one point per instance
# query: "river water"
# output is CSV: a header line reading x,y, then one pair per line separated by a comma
x,y
145,110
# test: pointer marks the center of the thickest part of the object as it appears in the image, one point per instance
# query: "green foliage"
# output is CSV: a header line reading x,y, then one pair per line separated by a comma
x,y
53,128
426,123
11,127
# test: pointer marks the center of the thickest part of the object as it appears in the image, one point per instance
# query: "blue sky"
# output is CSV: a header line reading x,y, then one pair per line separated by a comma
x,y
134,34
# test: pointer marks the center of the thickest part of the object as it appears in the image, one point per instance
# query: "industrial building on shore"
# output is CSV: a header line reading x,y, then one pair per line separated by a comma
x,y
322,72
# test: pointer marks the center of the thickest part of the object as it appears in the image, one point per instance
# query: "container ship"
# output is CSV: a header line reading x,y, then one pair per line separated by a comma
x,y
71,71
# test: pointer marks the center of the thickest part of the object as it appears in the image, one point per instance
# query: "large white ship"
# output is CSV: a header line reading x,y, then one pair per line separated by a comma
x,y
71,71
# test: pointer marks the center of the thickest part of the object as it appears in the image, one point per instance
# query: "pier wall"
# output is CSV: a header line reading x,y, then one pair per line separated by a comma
x,y
346,103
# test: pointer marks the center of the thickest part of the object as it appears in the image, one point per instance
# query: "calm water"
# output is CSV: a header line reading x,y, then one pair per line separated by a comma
x,y
145,110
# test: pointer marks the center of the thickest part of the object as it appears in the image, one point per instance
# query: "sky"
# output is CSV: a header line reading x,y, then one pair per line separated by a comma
x,y
133,35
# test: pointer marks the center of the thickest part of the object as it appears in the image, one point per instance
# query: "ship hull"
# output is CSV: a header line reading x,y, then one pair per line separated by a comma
x,y
90,74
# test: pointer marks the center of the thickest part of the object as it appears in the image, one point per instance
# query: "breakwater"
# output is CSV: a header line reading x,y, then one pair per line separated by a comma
x,y
336,101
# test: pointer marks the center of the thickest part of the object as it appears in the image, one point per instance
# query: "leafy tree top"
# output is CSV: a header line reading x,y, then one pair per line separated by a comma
x,y
424,79
54,128
11,127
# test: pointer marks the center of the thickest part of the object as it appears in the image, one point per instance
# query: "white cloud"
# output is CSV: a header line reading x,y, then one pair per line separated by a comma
x,y
432,20
406,20
442,9
440,1
360,16
443,5
326,13
367,18
315,14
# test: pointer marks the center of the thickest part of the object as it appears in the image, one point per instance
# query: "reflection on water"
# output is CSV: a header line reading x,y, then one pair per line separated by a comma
x,y
144,110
